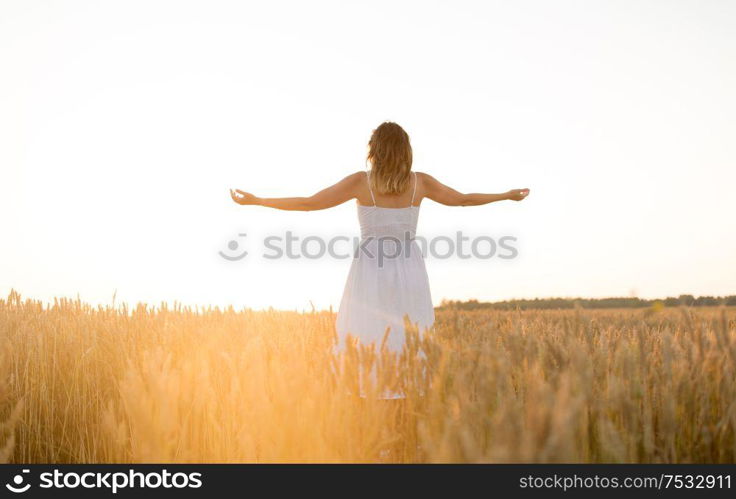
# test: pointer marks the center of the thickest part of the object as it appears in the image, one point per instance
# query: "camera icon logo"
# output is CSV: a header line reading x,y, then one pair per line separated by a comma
x,y
18,486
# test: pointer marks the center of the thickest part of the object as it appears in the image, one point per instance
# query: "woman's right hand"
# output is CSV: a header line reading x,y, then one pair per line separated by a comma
x,y
518,194
242,197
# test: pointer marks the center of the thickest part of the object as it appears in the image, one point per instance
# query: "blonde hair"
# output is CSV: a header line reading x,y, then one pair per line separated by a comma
x,y
389,152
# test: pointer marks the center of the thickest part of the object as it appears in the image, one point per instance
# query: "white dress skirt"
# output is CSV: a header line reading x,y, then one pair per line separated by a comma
x,y
387,280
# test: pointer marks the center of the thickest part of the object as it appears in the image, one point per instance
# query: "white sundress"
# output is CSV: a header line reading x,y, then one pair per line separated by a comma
x,y
387,278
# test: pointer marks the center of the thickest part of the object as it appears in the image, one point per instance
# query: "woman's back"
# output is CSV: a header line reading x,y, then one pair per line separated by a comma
x,y
387,278
389,221
411,196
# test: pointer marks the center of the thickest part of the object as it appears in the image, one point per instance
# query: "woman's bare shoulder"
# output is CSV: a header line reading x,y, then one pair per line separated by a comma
x,y
425,177
352,179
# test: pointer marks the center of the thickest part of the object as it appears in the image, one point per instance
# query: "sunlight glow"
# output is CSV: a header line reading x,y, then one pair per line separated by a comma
x,y
124,124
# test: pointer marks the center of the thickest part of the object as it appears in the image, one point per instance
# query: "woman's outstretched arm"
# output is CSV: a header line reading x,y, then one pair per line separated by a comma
x,y
334,195
439,192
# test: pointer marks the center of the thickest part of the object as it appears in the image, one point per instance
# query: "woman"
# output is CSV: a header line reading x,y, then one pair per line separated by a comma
x,y
387,279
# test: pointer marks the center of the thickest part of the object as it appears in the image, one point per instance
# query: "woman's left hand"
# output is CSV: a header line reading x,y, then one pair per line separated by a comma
x,y
242,197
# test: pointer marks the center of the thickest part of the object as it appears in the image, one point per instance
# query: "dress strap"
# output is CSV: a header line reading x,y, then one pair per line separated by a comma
x,y
415,190
368,178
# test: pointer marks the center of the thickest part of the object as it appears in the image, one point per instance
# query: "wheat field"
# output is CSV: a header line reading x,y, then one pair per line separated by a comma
x,y
173,384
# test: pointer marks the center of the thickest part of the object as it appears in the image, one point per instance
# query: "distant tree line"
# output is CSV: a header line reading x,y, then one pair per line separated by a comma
x,y
557,303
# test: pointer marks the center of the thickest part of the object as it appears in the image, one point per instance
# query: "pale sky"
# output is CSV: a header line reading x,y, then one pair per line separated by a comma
x,y
124,124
